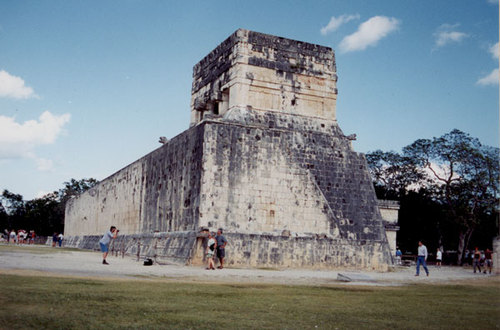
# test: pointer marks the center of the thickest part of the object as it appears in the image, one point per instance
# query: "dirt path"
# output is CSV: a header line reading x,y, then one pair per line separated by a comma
x,y
47,261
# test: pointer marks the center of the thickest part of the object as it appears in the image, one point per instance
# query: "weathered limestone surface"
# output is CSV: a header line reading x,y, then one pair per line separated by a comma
x,y
157,193
266,73
264,159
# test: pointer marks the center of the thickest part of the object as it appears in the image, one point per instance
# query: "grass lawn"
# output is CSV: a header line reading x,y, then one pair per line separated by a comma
x,y
64,303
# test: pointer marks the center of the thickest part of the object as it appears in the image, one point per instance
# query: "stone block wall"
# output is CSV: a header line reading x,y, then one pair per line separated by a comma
x,y
157,193
163,248
288,191
265,72
275,172
264,159
251,186
389,210
114,201
317,252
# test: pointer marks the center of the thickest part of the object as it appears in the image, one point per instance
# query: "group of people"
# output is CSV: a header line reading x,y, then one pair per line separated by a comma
x,y
20,237
57,239
478,258
24,237
483,259
216,246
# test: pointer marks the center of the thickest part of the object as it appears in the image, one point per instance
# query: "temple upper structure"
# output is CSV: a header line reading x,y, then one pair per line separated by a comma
x,y
265,73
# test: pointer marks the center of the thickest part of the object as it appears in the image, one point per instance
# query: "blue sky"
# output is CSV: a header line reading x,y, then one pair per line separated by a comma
x,y
87,87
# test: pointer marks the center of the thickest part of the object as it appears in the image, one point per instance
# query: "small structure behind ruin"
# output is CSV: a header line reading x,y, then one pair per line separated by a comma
x,y
389,209
264,158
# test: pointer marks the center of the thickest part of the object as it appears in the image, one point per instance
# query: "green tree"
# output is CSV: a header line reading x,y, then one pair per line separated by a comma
x,y
13,206
392,171
74,188
45,215
464,176
4,218
455,172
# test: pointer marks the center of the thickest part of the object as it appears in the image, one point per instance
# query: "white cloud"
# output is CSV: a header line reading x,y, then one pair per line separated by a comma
x,y
336,22
494,50
44,165
447,33
491,79
369,33
19,140
13,87
43,131
493,2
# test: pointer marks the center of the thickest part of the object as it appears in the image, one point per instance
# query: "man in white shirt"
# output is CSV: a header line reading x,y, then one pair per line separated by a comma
x,y
439,258
421,258
60,238
13,236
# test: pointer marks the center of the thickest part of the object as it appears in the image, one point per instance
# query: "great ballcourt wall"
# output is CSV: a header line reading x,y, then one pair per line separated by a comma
x,y
264,159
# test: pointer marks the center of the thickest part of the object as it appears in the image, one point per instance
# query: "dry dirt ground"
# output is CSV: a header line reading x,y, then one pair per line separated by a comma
x,y
48,261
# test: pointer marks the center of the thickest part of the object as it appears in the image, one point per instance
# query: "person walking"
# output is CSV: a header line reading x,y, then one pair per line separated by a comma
x,y
399,254
476,262
105,241
221,247
32,236
421,258
60,238
488,262
439,258
13,236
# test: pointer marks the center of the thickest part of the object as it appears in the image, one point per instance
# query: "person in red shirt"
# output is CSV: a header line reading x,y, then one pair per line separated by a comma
x,y
32,237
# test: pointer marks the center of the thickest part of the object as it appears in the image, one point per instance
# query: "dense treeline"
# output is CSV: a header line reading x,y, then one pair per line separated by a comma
x,y
448,188
44,215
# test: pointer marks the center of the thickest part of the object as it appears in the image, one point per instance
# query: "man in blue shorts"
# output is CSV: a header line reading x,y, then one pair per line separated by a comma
x,y
104,242
221,247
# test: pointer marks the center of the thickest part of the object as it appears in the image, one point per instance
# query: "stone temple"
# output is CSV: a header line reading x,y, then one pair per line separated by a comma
x,y
264,158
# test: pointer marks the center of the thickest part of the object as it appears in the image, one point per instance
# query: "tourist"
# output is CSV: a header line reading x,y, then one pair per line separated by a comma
x,y
60,238
476,262
221,247
488,262
211,246
22,236
439,258
421,258
13,236
32,237
399,254
55,238
104,242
